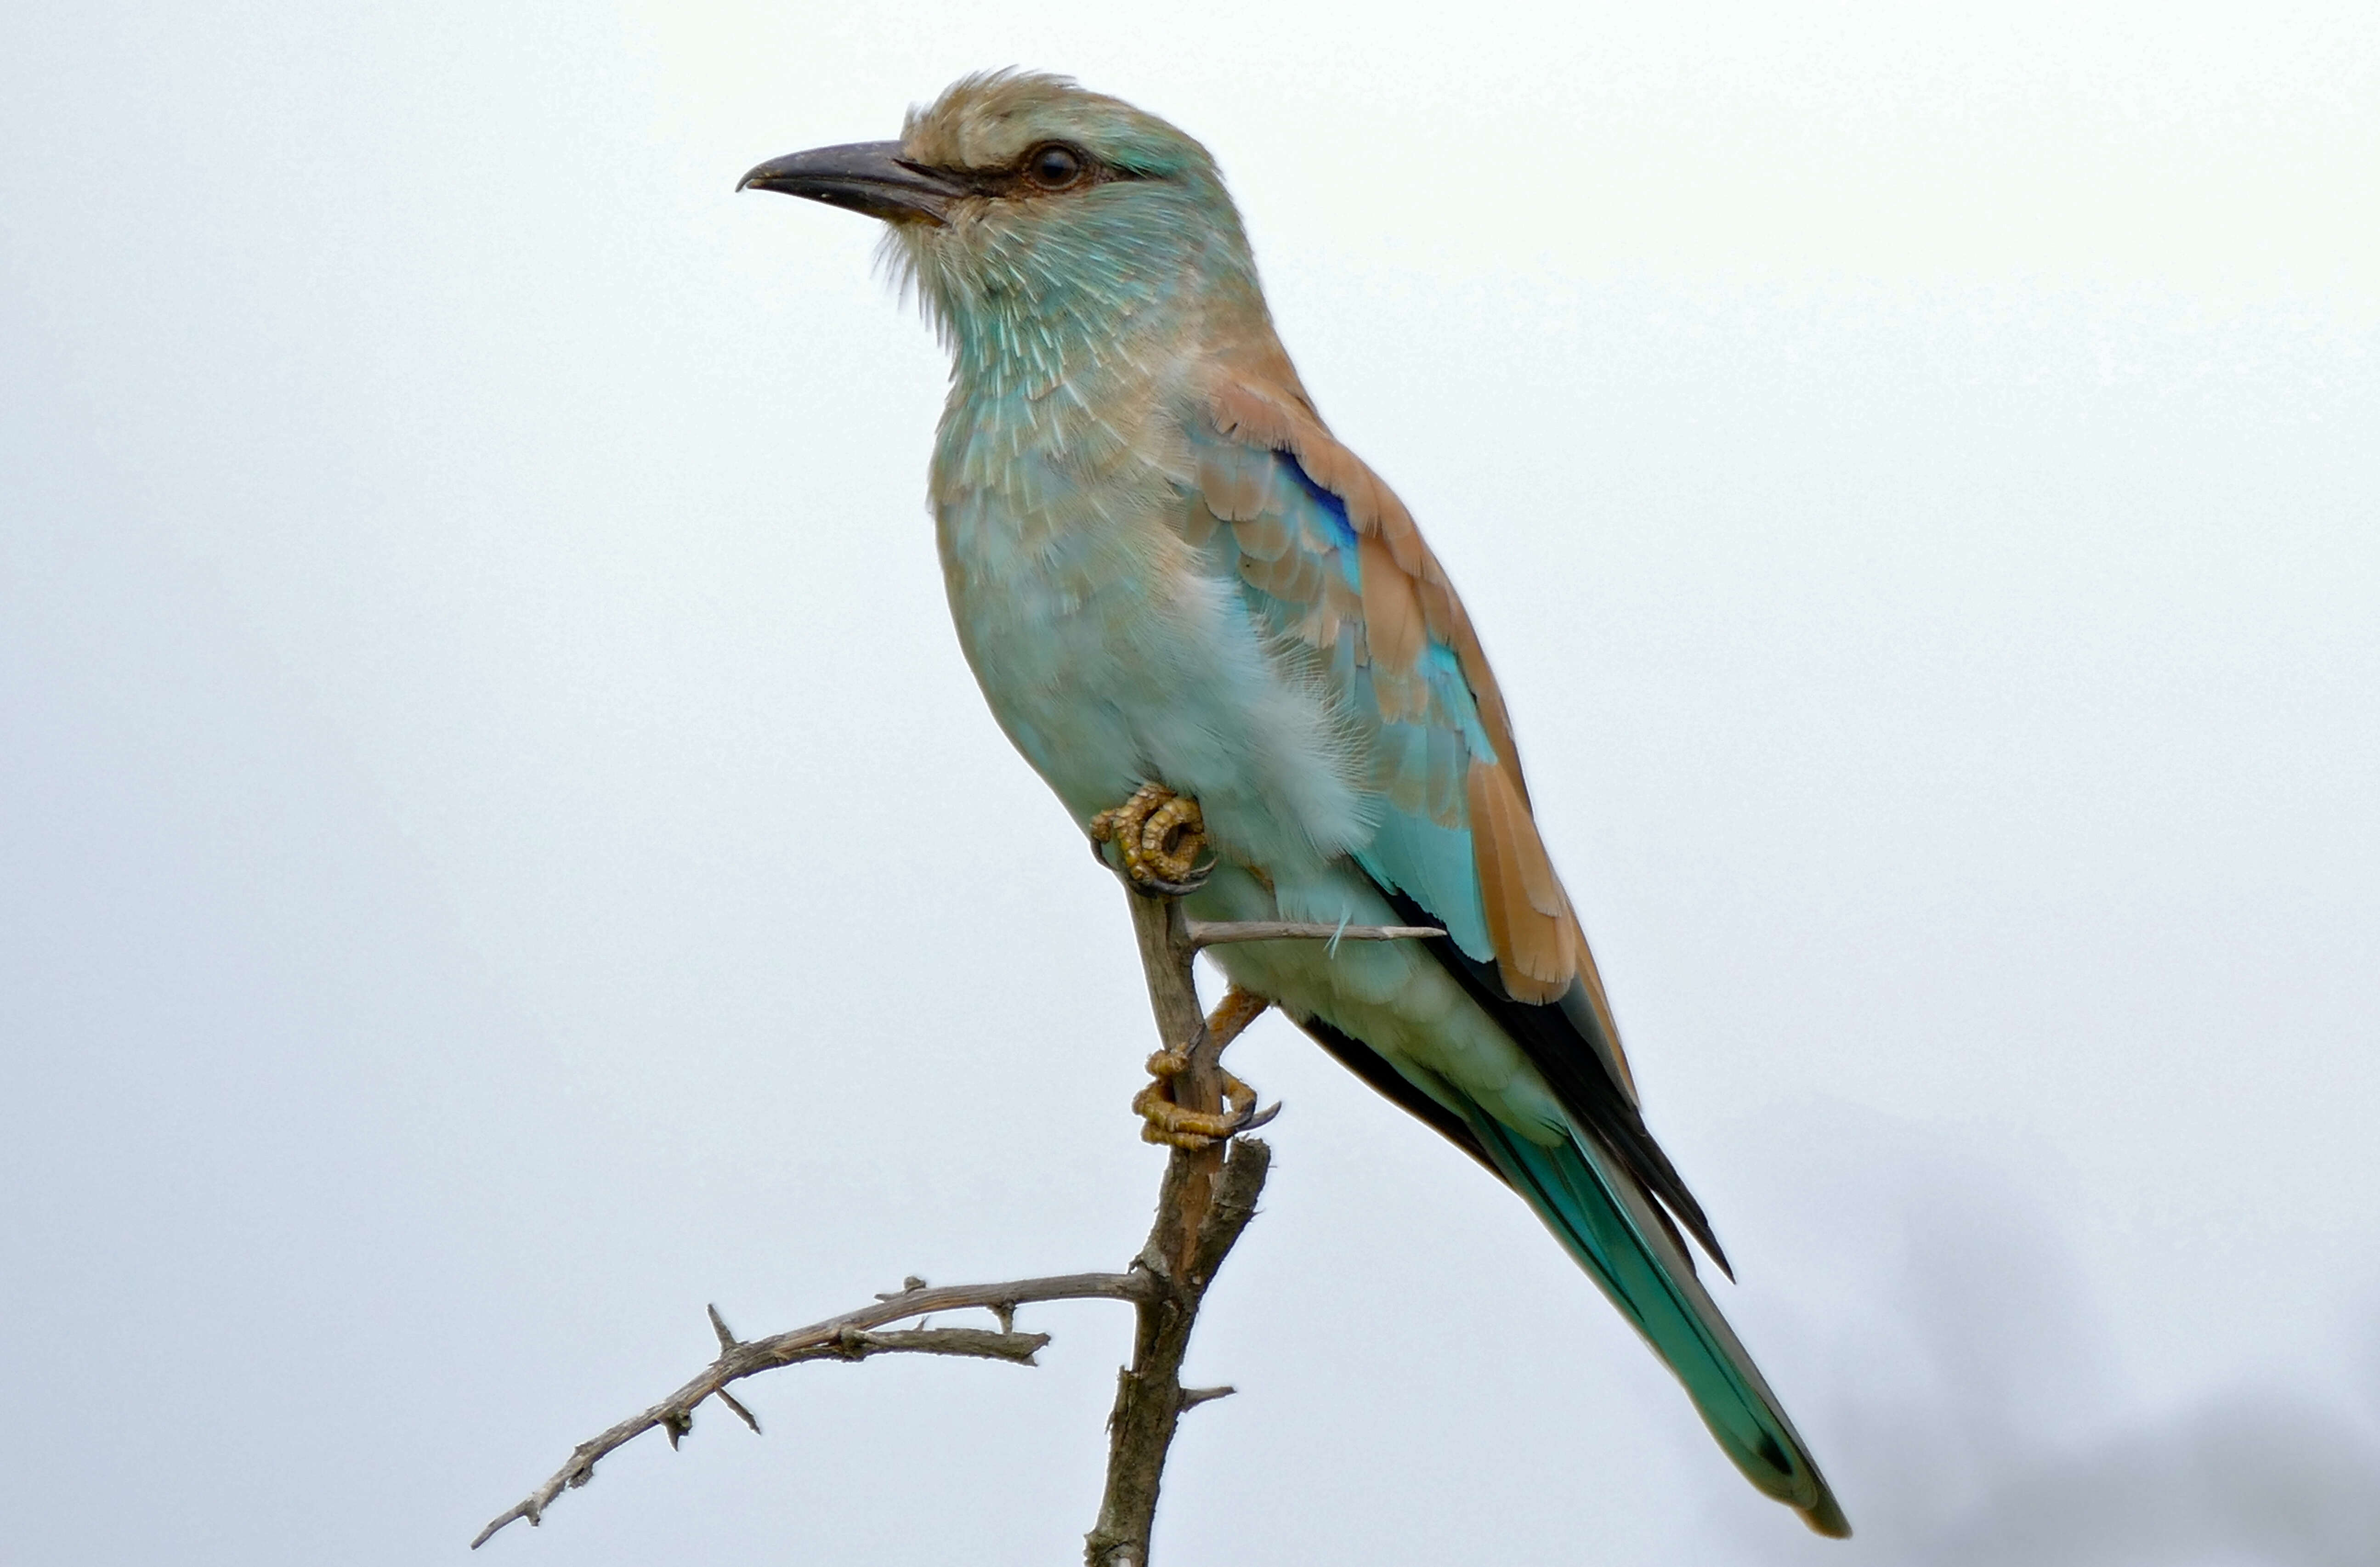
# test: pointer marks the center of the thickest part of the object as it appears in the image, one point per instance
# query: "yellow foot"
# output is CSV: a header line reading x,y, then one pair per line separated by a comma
x,y
1158,835
1165,1122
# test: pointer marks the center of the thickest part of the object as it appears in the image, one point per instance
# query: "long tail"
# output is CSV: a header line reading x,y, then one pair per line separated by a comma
x,y
1611,1228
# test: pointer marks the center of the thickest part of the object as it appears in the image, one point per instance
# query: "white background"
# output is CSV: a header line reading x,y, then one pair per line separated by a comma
x,y
498,846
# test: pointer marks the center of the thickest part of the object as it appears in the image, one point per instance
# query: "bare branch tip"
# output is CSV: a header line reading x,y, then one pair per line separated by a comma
x,y
727,1341
1204,933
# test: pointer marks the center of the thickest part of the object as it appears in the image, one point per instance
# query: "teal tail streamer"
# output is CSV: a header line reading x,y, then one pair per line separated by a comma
x,y
1610,1227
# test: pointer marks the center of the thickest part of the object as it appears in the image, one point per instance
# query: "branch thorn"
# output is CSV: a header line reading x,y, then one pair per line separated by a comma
x,y
741,1412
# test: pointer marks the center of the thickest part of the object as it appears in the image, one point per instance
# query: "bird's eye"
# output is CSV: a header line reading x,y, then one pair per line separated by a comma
x,y
1053,165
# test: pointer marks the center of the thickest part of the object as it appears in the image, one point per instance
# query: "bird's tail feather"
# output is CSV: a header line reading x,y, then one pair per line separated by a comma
x,y
1611,1229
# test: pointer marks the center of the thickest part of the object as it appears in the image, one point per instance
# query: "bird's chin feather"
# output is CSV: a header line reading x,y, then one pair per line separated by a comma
x,y
899,263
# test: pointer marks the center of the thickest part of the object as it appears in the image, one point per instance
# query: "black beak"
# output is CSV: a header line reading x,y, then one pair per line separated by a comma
x,y
866,177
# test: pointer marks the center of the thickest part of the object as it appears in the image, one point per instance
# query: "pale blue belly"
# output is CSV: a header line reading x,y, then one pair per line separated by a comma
x,y
1110,658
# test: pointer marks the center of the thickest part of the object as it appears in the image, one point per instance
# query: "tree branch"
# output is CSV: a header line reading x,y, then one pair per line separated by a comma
x,y
846,1337
1207,1198
1205,1201
1218,933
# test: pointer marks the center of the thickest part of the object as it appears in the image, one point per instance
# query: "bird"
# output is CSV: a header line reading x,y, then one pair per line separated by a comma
x,y
1179,592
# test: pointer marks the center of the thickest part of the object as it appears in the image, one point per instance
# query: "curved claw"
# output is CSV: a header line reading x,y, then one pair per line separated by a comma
x,y
1152,886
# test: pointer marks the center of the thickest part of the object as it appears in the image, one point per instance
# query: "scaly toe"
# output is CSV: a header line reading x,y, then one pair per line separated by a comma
x,y
1158,835
1169,1123
1165,1122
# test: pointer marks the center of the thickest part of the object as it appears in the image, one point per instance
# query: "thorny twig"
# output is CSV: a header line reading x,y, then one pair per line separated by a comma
x,y
847,1337
1207,1198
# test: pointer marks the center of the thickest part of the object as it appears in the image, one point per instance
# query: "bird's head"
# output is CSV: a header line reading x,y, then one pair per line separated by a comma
x,y
1031,215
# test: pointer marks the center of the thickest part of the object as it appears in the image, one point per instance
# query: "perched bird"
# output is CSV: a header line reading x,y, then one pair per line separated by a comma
x,y
1171,581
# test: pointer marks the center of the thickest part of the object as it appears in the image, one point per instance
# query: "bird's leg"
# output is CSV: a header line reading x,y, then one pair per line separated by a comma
x,y
1158,834
1165,1122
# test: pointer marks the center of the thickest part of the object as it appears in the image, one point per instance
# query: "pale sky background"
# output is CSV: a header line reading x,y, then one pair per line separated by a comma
x,y
472,670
